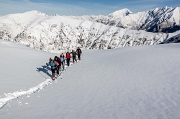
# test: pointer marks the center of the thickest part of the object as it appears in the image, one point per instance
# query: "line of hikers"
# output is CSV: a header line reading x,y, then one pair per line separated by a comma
x,y
58,63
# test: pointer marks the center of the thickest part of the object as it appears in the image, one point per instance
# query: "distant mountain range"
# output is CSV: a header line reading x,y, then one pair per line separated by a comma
x,y
166,19
119,29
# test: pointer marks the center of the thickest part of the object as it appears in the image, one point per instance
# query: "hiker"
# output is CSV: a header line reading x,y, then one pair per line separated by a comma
x,y
53,67
74,55
79,53
58,64
62,61
68,57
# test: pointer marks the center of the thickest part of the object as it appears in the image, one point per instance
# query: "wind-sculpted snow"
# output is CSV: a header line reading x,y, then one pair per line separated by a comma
x,y
60,33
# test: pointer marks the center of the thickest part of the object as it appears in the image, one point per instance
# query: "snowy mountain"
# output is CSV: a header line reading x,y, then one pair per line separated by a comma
x,y
166,19
62,33
120,13
123,83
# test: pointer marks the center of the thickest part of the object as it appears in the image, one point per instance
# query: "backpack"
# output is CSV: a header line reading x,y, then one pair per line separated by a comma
x,y
79,51
57,63
74,54
68,55
52,64
61,59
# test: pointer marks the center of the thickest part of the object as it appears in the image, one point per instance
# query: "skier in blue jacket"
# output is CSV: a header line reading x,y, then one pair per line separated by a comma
x,y
53,67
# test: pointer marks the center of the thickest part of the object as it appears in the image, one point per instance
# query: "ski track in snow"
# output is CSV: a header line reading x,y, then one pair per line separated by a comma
x,y
10,96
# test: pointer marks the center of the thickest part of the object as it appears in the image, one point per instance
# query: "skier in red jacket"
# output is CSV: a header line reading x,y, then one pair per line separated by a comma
x,y
68,57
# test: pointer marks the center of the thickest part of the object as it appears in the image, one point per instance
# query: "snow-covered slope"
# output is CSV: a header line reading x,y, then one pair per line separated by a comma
x,y
127,83
174,38
14,24
166,19
61,33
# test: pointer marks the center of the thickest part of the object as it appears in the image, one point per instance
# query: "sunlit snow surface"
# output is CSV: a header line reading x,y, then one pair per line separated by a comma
x,y
125,83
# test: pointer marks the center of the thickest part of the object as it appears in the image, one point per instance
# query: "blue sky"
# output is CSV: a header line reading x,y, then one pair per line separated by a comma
x,y
81,7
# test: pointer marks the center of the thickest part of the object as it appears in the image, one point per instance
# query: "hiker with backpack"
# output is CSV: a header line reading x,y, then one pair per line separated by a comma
x,y
68,57
74,55
57,61
79,52
53,67
62,61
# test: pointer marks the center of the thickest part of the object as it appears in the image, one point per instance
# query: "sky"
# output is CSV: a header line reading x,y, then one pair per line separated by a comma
x,y
81,7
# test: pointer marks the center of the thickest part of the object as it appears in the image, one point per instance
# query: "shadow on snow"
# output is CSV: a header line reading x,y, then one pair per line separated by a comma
x,y
44,69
